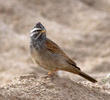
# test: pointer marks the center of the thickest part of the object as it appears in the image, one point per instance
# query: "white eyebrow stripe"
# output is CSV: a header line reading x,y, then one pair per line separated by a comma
x,y
35,29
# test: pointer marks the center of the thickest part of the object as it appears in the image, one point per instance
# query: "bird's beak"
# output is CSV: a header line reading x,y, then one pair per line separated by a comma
x,y
43,31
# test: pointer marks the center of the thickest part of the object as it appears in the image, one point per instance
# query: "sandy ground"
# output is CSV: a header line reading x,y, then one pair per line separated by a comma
x,y
80,27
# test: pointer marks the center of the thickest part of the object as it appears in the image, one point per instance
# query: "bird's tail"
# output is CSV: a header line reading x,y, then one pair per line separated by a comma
x,y
84,75
77,70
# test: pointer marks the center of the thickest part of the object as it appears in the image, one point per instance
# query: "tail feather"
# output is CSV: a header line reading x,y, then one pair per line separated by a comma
x,y
76,70
87,77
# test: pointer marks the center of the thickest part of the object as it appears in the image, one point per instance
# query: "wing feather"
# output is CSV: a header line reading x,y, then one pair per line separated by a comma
x,y
54,48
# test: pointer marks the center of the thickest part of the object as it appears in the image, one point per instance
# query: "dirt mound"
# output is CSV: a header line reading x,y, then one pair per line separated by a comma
x,y
33,87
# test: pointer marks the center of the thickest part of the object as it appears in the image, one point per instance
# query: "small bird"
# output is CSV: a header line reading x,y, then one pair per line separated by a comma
x,y
50,56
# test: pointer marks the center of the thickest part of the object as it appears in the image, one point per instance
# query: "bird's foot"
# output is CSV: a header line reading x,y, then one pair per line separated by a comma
x,y
51,74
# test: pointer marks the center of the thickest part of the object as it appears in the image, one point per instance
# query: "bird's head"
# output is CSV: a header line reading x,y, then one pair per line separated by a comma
x,y
38,31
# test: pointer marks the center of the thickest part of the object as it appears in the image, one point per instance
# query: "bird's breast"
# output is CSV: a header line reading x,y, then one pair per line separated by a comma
x,y
46,59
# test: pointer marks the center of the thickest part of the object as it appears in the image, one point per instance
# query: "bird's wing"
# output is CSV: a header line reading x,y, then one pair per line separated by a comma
x,y
54,48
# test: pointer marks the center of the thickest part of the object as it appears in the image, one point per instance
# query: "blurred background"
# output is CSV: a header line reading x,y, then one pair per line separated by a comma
x,y
80,27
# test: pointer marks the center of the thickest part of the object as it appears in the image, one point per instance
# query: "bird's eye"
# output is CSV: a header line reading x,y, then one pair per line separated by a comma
x,y
38,30
35,30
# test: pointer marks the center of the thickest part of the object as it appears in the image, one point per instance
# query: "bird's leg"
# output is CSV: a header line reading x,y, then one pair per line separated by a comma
x,y
51,73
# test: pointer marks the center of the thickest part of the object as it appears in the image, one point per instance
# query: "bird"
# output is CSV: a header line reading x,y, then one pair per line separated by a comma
x,y
50,56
